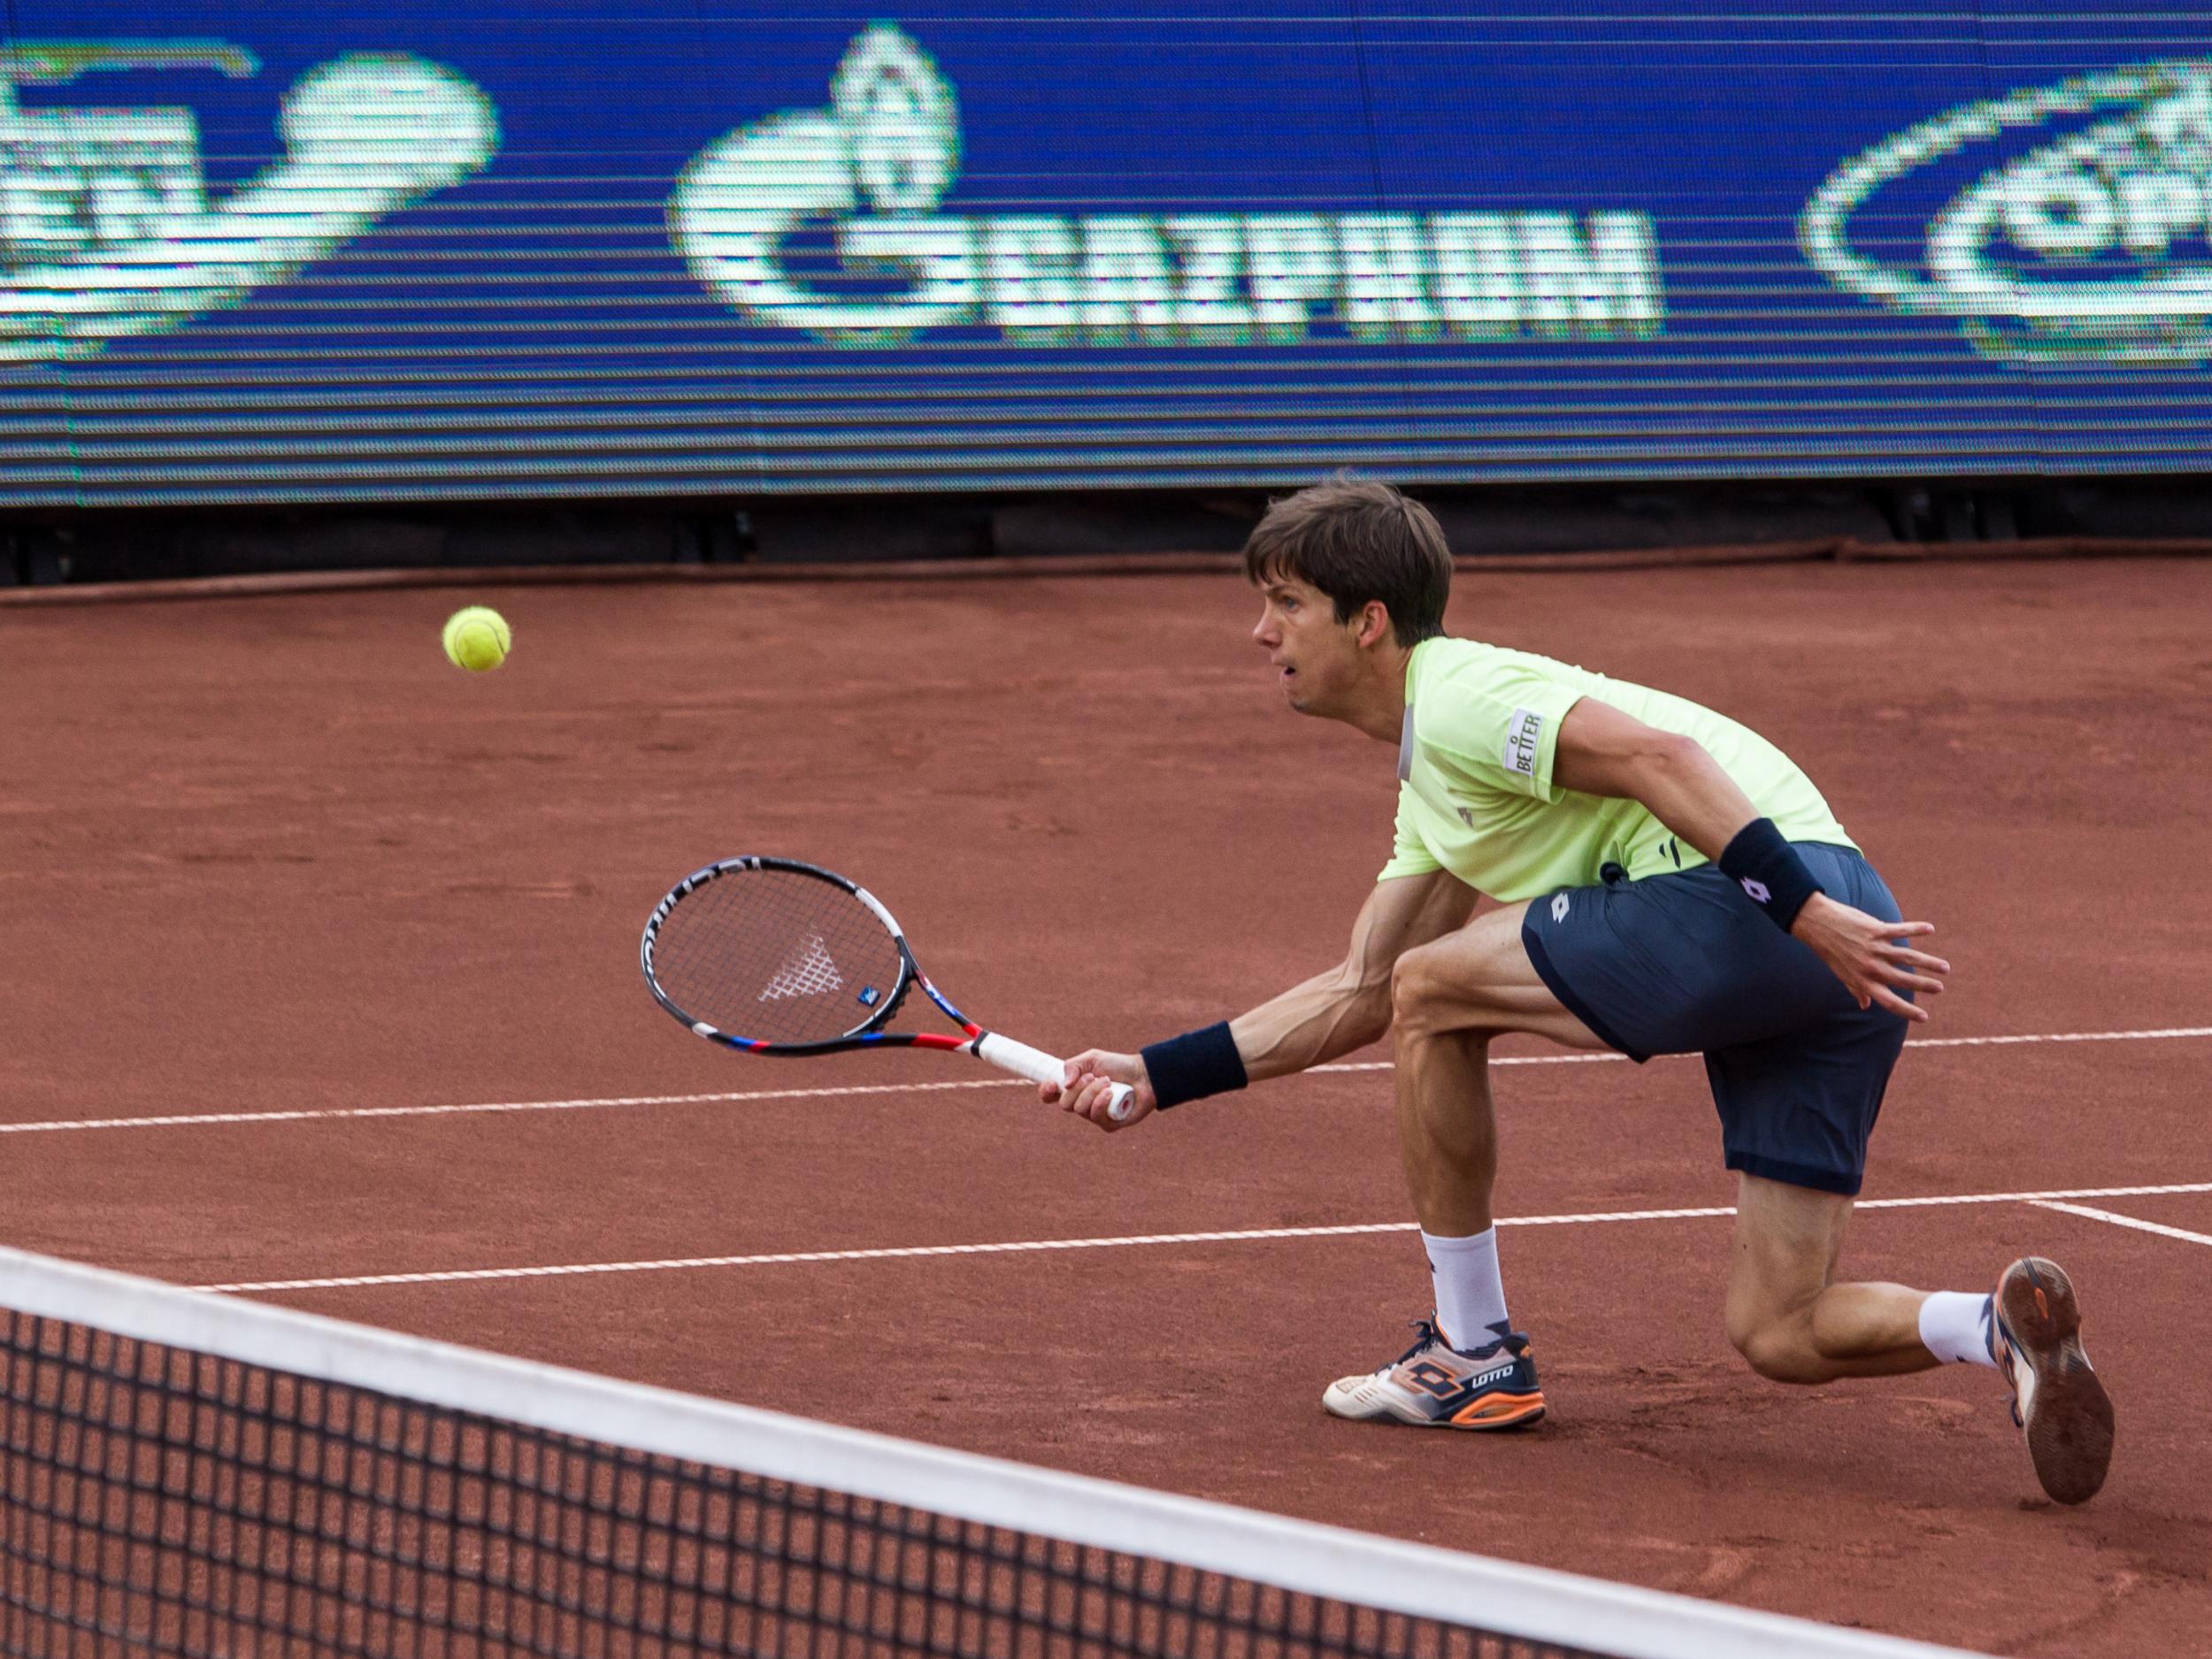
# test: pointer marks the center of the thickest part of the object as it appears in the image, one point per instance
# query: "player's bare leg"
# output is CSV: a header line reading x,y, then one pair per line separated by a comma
x,y
1794,1323
1786,1315
1448,1131
1469,1370
1449,1000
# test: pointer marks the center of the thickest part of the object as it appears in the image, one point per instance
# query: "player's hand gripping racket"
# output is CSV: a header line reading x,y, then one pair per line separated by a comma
x,y
770,955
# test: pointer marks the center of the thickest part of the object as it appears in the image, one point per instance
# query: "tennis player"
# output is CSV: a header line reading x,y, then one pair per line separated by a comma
x,y
1669,882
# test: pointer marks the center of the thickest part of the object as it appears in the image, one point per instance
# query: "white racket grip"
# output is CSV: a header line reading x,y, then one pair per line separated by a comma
x,y
1039,1067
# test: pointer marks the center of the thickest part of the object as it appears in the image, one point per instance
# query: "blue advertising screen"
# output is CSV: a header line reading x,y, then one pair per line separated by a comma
x,y
534,247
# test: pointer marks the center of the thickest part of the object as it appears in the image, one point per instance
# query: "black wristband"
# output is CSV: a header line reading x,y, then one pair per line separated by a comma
x,y
1769,869
1197,1064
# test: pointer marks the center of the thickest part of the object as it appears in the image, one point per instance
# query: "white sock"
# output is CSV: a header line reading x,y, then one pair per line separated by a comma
x,y
1470,1293
1954,1327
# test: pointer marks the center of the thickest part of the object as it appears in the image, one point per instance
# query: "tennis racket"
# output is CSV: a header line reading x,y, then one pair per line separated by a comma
x,y
770,955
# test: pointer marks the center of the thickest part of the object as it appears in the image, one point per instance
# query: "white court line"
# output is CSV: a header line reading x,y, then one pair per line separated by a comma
x,y
195,1119
1239,1236
175,1120
2136,1222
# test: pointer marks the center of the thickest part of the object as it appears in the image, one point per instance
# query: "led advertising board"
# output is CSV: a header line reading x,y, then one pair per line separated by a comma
x,y
489,249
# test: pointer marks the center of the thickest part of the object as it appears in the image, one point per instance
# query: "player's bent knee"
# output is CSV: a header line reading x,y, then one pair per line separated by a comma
x,y
1414,993
1433,992
1780,1351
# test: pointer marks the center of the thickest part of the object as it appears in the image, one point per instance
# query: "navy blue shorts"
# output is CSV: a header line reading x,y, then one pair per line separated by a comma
x,y
1686,963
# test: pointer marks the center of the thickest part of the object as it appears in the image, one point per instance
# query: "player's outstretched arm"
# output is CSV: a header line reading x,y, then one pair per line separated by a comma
x,y
1603,751
1324,1017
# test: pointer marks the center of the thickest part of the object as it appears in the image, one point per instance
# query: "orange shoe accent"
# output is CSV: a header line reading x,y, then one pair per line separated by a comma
x,y
1500,1411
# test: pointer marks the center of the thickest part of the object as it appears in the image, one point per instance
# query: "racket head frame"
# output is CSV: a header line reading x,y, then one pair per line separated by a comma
x,y
869,1033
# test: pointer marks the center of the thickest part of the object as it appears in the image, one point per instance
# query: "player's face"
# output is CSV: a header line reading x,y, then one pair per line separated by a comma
x,y
1315,657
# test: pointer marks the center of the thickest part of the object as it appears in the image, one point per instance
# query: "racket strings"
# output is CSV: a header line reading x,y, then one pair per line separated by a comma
x,y
776,957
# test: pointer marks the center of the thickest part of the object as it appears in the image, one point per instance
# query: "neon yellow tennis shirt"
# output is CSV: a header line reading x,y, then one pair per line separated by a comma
x,y
1476,796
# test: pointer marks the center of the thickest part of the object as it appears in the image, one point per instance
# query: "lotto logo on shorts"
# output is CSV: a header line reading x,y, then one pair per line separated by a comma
x,y
1521,738
1559,907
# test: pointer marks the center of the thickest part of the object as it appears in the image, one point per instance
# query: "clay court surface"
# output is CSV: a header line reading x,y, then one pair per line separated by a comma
x,y
273,855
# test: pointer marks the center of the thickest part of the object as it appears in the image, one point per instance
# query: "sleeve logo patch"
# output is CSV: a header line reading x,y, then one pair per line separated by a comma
x,y
1521,739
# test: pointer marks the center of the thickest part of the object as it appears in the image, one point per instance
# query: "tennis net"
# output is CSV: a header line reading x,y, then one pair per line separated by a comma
x,y
185,1473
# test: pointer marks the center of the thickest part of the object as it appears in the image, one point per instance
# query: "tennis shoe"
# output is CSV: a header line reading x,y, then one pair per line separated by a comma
x,y
2035,1333
1436,1386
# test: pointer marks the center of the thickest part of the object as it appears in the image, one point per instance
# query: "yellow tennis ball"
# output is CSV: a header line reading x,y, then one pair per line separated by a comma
x,y
478,638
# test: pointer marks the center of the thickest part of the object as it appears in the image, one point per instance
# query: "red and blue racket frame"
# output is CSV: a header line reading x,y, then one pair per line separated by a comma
x,y
993,1048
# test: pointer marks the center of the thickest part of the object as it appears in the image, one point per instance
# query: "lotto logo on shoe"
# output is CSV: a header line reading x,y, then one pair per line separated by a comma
x,y
1521,739
1437,1380
1757,890
1431,1377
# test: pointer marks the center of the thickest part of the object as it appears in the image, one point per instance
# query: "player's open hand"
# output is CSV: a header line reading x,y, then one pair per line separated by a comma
x,y
1865,952
1091,1078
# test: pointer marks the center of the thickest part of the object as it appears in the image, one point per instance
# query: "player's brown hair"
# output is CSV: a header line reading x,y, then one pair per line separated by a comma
x,y
1357,539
